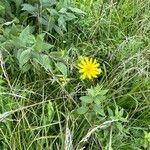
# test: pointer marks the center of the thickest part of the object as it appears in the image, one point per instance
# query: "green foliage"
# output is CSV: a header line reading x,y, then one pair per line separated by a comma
x,y
93,101
43,102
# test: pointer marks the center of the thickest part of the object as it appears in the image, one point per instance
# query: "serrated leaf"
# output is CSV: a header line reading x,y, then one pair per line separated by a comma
x,y
86,99
62,68
82,110
24,57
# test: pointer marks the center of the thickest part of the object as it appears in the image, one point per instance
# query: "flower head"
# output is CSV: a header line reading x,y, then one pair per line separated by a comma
x,y
89,68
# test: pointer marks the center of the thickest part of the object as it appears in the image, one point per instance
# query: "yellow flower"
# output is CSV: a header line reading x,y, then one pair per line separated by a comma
x,y
89,68
64,80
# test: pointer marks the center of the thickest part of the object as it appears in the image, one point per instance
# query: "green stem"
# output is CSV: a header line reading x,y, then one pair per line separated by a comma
x,y
110,138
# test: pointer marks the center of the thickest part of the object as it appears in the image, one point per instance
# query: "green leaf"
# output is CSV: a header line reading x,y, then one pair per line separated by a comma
x,y
86,99
25,36
55,55
24,57
69,16
50,111
46,46
52,11
58,30
26,67
63,10
119,126
18,3
38,43
76,10
62,68
82,110
2,7
99,99
62,23
29,8
48,3
98,109
46,63
103,92
110,112
43,60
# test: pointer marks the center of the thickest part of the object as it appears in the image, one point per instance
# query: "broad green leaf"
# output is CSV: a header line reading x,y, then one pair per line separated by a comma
x,y
18,53
38,44
48,3
58,30
62,23
69,16
86,99
55,55
25,36
24,57
46,63
62,68
29,8
46,46
43,60
82,110
76,10
52,11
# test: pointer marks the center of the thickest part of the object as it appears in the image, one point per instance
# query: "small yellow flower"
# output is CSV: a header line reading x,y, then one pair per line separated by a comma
x,y
89,68
64,80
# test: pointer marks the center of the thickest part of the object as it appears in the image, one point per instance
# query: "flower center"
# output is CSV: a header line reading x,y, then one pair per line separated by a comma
x,y
88,69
